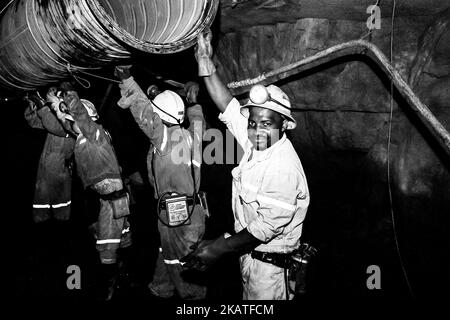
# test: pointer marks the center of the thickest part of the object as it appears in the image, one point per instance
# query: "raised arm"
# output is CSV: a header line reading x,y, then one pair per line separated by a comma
x,y
141,107
31,116
216,88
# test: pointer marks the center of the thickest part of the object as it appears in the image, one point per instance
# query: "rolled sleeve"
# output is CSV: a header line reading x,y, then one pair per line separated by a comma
x,y
236,122
277,204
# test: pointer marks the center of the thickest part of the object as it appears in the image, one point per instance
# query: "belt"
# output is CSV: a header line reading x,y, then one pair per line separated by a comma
x,y
281,260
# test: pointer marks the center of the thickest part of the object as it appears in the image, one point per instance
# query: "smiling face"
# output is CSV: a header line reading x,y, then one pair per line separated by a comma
x,y
265,127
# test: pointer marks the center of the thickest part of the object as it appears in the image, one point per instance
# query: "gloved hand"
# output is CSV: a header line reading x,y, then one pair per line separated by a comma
x,y
36,100
203,54
53,99
191,89
207,253
122,72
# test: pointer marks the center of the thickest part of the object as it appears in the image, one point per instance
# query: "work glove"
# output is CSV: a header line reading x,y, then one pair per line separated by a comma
x,y
191,90
122,72
36,100
53,99
203,54
207,253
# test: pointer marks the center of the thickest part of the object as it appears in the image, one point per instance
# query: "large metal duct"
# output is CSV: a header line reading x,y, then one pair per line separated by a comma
x,y
41,40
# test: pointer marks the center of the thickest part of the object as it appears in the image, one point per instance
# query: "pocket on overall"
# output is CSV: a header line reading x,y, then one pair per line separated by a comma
x,y
120,207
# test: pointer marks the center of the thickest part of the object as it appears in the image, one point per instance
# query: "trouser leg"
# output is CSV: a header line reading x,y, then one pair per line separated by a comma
x,y
176,243
262,281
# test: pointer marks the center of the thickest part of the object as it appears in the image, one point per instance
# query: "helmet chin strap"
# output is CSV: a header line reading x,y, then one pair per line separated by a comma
x,y
178,121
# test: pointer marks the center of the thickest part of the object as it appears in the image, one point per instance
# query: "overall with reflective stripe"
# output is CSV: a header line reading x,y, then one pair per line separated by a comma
x,y
270,198
52,195
99,170
170,153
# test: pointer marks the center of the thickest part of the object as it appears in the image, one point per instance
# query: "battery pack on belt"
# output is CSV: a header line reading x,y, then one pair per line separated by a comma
x,y
190,201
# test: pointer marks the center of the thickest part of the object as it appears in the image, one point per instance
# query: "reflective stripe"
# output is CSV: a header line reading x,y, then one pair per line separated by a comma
x,y
59,205
126,230
196,163
82,141
189,141
106,241
275,202
164,142
97,134
198,136
41,206
176,261
250,187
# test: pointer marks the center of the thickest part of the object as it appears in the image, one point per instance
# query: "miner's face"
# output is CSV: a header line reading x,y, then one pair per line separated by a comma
x,y
265,127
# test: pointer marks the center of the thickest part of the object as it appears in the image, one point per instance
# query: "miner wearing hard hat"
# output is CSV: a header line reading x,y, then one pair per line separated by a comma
x,y
52,195
269,194
173,163
99,170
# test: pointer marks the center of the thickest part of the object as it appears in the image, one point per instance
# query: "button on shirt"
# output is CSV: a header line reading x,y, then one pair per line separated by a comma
x,y
270,194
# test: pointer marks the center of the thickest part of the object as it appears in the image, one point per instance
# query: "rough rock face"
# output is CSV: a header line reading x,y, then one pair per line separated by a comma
x,y
347,101
341,137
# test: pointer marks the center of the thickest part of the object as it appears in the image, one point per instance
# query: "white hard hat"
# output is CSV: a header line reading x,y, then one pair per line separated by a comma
x,y
169,106
89,106
272,98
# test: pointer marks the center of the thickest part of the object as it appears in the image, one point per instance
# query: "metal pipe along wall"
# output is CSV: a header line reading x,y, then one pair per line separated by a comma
x,y
40,40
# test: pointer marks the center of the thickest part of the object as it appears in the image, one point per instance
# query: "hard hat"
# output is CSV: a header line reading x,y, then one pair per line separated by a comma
x,y
272,98
169,106
89,106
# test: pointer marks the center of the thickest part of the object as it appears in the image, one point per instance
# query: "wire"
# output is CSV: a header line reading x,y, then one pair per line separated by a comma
x,y
80,80
389,156
6,7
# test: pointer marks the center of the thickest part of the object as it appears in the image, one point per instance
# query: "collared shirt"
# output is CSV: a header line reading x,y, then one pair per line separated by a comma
x,y
270,194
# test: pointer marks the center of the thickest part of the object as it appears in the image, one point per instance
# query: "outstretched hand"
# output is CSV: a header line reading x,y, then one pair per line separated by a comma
x,y
52,98
35,100
123,72
207,253
191,90
203,54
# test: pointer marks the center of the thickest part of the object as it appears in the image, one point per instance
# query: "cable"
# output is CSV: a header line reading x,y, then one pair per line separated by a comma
x,y
6,7
388,159
79,79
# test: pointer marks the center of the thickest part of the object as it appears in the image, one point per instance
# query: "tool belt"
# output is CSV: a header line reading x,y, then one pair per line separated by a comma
x,y
281,260
294,263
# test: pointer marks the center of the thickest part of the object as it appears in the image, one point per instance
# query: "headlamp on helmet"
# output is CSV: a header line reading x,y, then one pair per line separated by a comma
x,y
260,95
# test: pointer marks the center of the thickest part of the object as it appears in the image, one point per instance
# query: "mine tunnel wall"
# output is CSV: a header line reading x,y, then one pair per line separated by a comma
x,y
341,138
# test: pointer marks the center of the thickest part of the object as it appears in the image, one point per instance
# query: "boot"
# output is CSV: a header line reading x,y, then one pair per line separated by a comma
x,y
108,278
